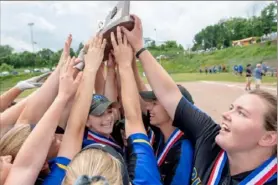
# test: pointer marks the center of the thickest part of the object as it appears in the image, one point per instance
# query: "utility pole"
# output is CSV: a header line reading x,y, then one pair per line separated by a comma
x,y
31,24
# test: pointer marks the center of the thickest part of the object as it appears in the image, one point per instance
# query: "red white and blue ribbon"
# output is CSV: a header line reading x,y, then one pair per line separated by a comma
x,y
151,137
175,136
264,173
101,139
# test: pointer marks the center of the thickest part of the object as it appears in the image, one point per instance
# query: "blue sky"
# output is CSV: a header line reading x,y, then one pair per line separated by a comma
x,y
54,20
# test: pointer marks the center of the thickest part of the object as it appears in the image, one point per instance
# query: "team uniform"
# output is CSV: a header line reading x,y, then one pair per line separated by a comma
x,y
57,171
174,157
142,166
91,137
210,161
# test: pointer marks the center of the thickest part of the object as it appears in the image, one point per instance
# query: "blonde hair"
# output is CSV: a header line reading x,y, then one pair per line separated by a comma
x,y
12,141
270,117
94,162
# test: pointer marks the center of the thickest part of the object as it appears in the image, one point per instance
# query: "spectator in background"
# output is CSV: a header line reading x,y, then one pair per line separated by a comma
x,y
264,68
235,69
258,75
206,70
248,77
240,69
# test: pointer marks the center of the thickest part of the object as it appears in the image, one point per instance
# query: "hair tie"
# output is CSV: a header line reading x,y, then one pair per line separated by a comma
x,y
86,180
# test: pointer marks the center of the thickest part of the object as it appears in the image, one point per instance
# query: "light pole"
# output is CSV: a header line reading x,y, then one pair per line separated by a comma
x,y
31,24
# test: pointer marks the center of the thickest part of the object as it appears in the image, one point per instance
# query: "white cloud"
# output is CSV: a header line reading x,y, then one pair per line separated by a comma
x,y
173,20
17,44
40,22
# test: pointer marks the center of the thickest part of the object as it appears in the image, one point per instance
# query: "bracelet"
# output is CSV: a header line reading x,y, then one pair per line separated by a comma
x,y
139,52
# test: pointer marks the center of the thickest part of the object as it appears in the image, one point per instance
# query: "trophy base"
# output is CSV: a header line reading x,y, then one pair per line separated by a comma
x,y
126,22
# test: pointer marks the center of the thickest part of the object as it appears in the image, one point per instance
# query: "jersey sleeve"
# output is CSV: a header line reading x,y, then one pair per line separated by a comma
x,y
142,165
193,122
57,171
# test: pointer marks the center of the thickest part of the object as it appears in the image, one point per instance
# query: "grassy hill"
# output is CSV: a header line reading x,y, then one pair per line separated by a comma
x,y
181,63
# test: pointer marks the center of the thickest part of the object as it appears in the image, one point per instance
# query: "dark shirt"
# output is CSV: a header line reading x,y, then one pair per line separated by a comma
x,y
248,72
201,131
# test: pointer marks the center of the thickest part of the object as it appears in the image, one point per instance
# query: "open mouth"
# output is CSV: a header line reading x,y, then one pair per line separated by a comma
x,y
225,128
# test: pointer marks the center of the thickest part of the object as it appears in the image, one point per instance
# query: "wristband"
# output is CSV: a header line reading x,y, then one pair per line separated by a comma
x,y
139,52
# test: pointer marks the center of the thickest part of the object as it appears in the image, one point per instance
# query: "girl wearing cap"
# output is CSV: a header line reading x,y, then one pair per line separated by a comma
x,y
240,150
170,142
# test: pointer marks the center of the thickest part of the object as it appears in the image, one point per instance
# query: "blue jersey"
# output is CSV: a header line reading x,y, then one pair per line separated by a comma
x,y
57,173
142,166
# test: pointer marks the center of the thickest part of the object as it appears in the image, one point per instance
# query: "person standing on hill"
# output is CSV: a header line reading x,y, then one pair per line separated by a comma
x,y
258,75
248,77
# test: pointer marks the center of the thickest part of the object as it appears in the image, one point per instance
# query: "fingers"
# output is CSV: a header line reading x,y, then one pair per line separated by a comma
x,y
113,41
71,65
125,40
137,21
99,40
119,35
78,78
126,32
103,45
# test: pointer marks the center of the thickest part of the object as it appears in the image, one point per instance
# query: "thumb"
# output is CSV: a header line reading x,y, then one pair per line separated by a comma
x,y
126,32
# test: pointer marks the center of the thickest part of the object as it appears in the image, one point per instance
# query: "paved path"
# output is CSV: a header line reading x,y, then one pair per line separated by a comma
x,y
215,97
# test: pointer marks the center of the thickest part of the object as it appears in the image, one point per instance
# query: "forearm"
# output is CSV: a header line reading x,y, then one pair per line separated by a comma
x,y
40,102
72,139
161,83
130,101
139,81
100,81
110,85
34,151
8,97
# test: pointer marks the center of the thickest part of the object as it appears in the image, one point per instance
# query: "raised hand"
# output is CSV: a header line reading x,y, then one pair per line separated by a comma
x,y
135,36
68,85
66,51
95,53
122,50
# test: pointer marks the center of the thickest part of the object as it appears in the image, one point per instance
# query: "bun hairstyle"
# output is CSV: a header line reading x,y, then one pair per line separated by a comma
x,y
97,164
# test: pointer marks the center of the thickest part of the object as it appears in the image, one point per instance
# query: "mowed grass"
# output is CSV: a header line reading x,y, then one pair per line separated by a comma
x,y
224,77
8,82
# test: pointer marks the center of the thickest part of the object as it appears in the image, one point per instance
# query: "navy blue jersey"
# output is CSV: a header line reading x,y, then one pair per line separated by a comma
x,y
142,166
201,130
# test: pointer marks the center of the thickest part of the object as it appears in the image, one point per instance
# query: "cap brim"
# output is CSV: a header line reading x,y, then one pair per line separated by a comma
x,y
99,110
148,95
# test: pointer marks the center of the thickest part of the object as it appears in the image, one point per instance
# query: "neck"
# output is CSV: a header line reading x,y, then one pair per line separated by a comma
x,y
240,162
105,135
167,129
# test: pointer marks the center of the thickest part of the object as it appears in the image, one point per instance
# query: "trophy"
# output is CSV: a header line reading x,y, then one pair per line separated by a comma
x,y
119,16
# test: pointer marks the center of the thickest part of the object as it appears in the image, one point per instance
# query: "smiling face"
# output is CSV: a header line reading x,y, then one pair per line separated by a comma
x,y
158,115
102,124
242,127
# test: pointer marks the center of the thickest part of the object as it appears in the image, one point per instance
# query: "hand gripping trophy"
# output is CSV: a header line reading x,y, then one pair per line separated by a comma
x,y
119,16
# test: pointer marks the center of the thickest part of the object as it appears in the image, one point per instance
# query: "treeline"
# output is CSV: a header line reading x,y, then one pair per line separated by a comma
x,y
224,32
42,58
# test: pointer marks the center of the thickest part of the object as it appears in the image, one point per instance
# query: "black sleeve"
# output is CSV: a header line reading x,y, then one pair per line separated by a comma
x,y
193,122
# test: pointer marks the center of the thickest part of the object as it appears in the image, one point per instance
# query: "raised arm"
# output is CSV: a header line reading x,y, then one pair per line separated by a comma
x,y
142,164
100,80
40,102
188,118
33,153
72,139
110,82
130,96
